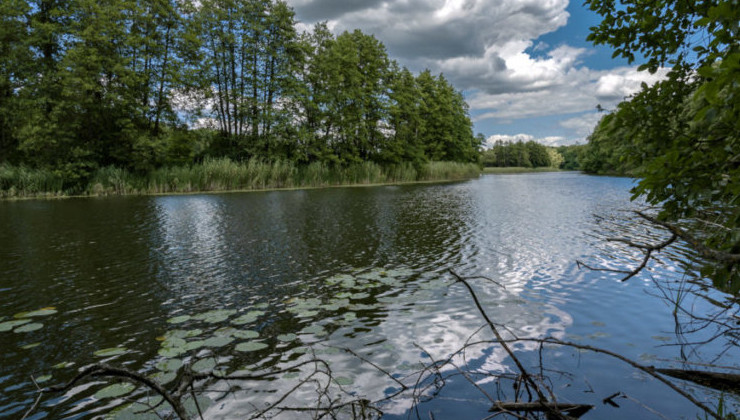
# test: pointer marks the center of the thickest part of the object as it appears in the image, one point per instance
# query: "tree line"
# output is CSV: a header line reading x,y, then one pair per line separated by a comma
x,y
136,84
520,154
680,136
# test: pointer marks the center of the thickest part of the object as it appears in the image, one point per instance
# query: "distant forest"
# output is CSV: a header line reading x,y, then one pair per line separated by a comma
x,y
140,85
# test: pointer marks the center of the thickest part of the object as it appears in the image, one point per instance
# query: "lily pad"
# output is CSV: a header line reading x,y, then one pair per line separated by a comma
x,y
339,278
42,379
193,345
214,317
9,325
246,334
30,346
28,328
247,318
63,365
364,307
225,331
287,337
193,333
315,330
174,342
218,341
359,296
169,365
170,352
343,381
179,319
114,351
163,378
373,275
205,365
41,312
307,314
251,346
398,272
115,390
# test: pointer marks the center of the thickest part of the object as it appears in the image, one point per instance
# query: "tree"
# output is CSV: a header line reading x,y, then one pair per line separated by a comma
x,y
404,119
15,63
682,135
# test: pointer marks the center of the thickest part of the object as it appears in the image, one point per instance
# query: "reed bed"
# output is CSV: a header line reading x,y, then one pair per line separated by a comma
x,y
224,174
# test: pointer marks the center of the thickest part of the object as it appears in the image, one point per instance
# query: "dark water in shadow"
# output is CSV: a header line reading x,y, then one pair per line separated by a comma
x,y
116,270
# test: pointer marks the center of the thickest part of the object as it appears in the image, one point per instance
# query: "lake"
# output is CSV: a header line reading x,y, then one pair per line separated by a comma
x,y
247,281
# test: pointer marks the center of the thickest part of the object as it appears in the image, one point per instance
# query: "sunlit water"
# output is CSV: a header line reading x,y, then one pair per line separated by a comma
x,y
321,270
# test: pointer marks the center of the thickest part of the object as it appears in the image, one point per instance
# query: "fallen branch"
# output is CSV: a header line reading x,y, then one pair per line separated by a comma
x,y
646,248
103,370
526,376
573,410
698,245
722,381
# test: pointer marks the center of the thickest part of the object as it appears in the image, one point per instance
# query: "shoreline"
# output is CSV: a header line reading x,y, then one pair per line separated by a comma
x,y
504,170
50,196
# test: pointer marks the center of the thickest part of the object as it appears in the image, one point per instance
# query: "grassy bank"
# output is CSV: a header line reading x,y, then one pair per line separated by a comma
x,y
225,175
516,170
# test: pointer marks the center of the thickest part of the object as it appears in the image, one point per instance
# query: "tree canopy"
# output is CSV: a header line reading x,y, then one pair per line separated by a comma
x,y
139,84
681,136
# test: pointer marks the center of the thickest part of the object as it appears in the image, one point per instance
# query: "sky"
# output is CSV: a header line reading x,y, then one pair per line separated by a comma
x,y
524,66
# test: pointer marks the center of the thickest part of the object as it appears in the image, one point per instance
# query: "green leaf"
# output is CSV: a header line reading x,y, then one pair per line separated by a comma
x,y
343,381
219,341
179,319
9,325
169,365
41,312
251,346
28,328
286,337
204,365
113,351
246,334
115,390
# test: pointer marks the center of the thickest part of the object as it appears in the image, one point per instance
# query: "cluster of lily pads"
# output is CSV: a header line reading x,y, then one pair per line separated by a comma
x,y
24,322
196,339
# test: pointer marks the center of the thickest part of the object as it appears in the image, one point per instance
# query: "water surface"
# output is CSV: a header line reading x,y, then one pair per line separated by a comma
x,y
361,268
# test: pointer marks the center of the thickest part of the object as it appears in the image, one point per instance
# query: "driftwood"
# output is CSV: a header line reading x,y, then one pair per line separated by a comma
x,y
722,381
572,410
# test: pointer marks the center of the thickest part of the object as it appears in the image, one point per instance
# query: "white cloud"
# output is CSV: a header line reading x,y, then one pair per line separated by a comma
x,y
571,90
439,29
583,125
489,49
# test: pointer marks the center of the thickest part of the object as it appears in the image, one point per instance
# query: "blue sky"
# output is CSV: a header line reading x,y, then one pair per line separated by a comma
x,y
524,66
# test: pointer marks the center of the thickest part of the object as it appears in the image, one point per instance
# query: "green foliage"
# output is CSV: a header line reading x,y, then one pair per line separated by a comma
x,y
224,174
148,85
680,136
572,157
522,155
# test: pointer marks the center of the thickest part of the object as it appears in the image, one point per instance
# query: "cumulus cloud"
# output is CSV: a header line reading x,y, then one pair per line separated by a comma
x,y
490,49
582,125
439,29
571,90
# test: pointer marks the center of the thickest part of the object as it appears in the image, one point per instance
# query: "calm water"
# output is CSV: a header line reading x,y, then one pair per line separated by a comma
x,y
313,271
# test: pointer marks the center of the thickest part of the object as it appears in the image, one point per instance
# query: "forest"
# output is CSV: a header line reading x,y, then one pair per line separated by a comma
x,y
138,86
520,154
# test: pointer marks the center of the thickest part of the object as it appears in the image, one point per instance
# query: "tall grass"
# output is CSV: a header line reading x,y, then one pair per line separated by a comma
x,y
226,175
20,181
